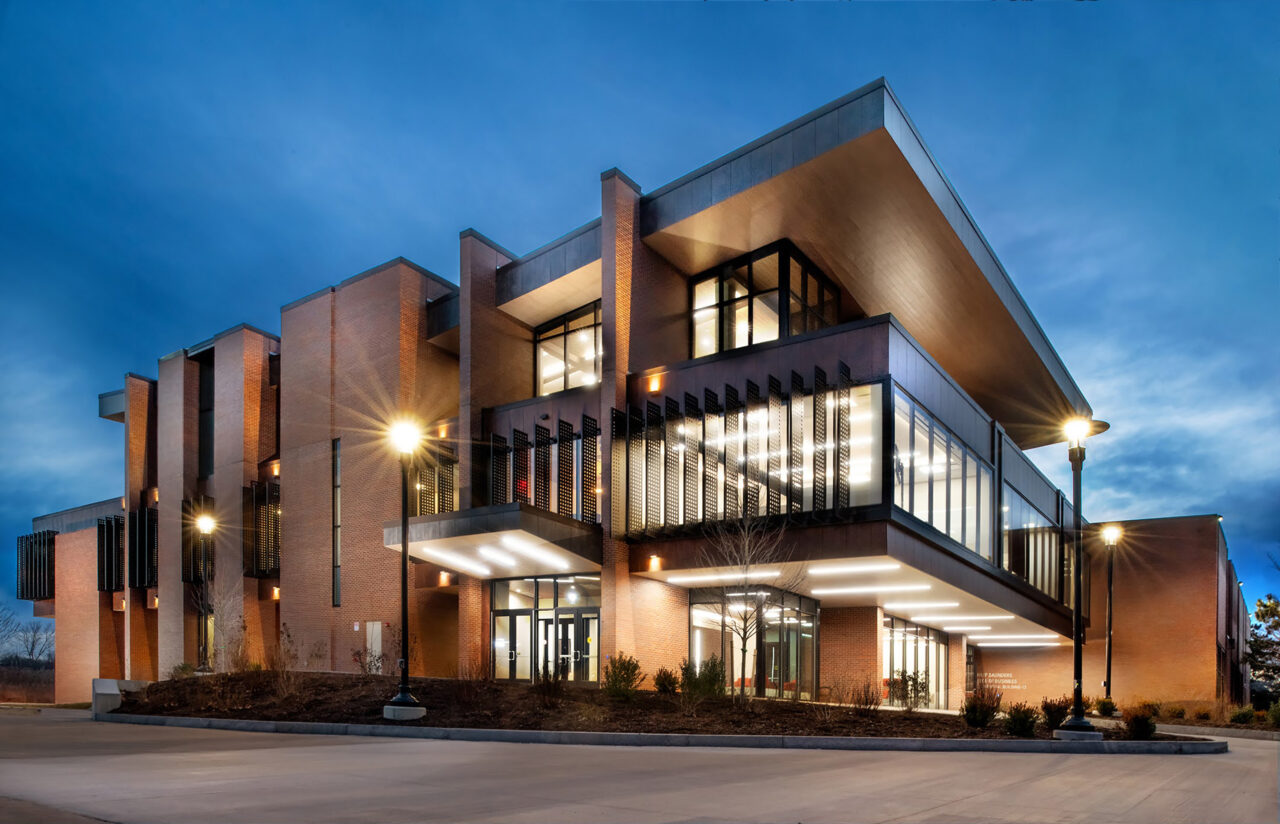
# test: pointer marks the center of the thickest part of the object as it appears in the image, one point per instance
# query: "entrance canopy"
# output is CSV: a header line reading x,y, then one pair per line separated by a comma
x,y
506,541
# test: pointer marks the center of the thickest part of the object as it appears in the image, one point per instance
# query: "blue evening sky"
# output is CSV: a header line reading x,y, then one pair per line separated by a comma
x,y
168,170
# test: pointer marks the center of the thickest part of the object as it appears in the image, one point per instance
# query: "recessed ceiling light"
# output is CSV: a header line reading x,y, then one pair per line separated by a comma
x,y
722,576
919,618
921,604
853,569
870,590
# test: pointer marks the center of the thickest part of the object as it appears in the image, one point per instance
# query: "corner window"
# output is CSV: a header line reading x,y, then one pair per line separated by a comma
x,y
568,351
771,293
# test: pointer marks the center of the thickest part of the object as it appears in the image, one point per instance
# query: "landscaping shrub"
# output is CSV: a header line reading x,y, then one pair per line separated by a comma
x,y
549,688
698,683
1056,711
1152,708
1106,707
665,681
622,676
909,690
1140,722
865,698
1203,715
980,707
1020,720
1088,703
1176,712
183,670
1273,715
1241,715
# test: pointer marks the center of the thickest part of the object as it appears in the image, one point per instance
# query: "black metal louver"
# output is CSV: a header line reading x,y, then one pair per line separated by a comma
x,y
519,466
111,554
143,547
446,479
564,468
499,464
262,545
842,438
197,549
795,451
35,565
820,397
590,475
541,467
692,465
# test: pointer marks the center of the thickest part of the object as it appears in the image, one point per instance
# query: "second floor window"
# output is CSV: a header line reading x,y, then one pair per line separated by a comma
x,y
568,351
771,293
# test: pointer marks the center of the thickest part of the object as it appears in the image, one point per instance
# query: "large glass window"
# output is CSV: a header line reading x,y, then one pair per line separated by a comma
x,y
568,351
801,452
1032,546
778,629
938,479
771,293
910,650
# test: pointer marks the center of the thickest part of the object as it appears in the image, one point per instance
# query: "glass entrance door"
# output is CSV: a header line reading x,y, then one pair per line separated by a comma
x,y
570,641
512,637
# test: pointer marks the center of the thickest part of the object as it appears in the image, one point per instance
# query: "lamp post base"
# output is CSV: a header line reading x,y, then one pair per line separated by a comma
x,y
1077,735
403,712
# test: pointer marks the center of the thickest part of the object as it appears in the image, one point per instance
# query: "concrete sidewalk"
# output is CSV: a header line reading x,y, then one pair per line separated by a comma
x,y
63,761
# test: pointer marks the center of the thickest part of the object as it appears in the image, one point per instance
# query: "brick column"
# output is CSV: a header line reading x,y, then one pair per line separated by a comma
x,y
620,211
473,627
139,478
956,649
176,420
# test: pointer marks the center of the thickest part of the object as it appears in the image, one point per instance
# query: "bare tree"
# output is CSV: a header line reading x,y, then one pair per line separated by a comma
x,y
35,640
223,598
752,558
8,628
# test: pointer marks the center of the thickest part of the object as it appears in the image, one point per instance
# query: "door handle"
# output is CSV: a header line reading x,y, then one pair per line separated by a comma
x,y
511,655
577,656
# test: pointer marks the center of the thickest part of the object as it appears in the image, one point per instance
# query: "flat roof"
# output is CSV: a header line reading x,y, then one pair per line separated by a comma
x,y
853,185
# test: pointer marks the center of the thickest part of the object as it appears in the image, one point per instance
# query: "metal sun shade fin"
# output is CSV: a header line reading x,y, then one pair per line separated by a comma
x,y
635,471
773,442
541,467
795,422
653,466
143,547
750,453
693,460
564,468
519,466
842,438
713,431
819,440
590,477
732,453
671,464
446,479
499,478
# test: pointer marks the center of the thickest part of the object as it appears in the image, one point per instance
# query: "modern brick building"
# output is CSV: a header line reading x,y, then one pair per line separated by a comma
x,y
807,338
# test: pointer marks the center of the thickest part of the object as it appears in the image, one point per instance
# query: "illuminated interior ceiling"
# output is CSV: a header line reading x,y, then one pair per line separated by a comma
x,y
897,588
871,208
507,554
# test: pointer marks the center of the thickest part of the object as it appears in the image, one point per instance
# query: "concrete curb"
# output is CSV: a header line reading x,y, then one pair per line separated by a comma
x,y
1229,732
639,739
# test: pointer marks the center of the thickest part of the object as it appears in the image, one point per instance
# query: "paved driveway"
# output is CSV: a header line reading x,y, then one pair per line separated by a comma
x,y
58,766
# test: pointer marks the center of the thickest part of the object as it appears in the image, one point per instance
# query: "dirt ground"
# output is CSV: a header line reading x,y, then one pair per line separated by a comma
x,y
358,699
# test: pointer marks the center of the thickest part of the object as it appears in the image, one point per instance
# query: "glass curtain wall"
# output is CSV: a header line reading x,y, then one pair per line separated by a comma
x,y
770,293
911,649
568,353
1032,545
543,625
805,451
940,480
778,629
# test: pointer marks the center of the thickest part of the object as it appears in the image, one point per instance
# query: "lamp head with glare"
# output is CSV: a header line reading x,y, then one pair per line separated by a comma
x,y
1111,535
204,523
405,436
1076,430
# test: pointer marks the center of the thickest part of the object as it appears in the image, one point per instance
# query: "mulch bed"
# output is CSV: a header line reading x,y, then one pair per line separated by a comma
x,y
358,699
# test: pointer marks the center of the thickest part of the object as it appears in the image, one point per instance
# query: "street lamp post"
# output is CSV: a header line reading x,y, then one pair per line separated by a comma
x,y
1110,536
1077,429
205,525
406,438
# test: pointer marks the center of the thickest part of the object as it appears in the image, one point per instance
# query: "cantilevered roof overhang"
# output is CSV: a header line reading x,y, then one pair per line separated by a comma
x,y
503,541
853,184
